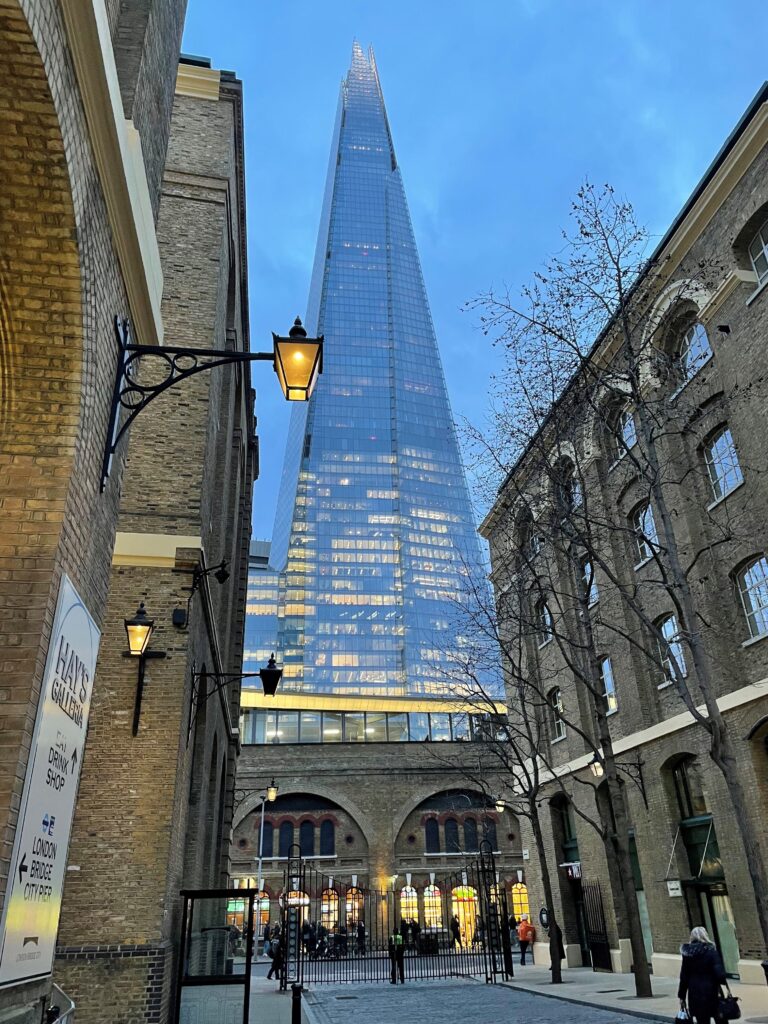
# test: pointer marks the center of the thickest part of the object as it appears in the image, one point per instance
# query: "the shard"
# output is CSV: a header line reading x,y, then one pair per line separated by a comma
x,y
374,531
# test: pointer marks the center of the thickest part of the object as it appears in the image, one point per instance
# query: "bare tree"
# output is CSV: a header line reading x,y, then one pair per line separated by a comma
x,y
601,354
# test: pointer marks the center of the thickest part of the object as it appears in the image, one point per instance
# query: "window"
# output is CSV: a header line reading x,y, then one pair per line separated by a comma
x,y
722,463
645,536
758,253
327,839
625,431
267,840
431,836
694,351
570,494
307,838
556,723
451,835
670,649
609,686
489,833
520,903
440,725
409,903
470,835
543,619
588,582
286,839
433,910
753,588
329,909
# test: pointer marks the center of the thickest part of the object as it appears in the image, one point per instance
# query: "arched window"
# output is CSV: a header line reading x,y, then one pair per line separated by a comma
x,y
299,901
307,838
587,581
354,904
624,431
409,903
543,621
529,539
329,909
286,839
431,836
694,351
433,908
520,903
722,462
568,490
451,835
470,835
556,723
327,838
268,840
644,533
489,833
753,590
670,650
263,909
758,253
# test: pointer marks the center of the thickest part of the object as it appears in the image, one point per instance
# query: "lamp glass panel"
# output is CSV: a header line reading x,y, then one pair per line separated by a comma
x,y
138,636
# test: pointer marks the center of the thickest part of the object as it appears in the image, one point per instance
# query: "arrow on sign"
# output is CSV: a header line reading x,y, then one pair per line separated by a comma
x,y
74,759
22,867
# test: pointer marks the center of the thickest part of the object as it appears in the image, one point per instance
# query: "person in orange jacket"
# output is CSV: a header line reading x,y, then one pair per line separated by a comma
x,y
526,933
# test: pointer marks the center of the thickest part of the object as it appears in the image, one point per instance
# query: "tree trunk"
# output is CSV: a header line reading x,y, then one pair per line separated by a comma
x,y
546,882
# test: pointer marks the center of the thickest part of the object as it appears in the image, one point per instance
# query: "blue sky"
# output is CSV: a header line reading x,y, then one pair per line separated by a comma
x,y
499,109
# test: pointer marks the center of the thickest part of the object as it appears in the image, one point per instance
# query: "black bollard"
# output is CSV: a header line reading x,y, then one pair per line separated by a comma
x,y
295,1004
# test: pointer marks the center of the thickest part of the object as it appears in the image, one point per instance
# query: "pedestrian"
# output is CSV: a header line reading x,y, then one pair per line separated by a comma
x,y
416,933
276,952
397,956
527,934
361,938
267,936
455,932
701,975
513,939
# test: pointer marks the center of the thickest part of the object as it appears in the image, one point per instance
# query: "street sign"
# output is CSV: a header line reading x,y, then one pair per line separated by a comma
x,y
36,877
674,887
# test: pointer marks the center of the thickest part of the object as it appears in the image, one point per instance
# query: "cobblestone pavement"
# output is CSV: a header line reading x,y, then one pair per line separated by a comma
x,y
468,1002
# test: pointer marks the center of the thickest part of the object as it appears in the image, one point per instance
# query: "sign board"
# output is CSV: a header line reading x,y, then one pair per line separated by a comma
x,y
674,887
36,877
572,869
526,854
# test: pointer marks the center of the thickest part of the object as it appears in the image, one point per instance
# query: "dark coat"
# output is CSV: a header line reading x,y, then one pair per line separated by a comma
x,y
701,975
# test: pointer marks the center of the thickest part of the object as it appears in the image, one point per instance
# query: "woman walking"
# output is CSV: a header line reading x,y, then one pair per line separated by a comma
x,y
701,975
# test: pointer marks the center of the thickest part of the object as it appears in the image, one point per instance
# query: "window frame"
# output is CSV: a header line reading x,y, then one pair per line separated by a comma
x,y
588,588
688,372
556,709
610,696
544,622
762,610
624,415
761,237
711,464
645,546
669,678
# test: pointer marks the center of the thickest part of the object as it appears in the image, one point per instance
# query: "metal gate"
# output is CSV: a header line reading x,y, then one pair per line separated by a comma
x,y
597,932
337,932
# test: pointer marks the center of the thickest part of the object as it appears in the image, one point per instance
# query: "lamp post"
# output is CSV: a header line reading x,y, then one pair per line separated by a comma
x,y
269,797
139,631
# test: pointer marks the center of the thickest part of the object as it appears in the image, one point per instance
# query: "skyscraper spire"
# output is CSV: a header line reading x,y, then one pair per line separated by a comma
x,y
374,528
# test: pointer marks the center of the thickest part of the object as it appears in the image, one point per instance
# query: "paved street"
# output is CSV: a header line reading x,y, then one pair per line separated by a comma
x,y
466,1002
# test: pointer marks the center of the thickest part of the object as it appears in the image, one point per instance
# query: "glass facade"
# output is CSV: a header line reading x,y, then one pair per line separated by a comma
x,y
287,726
374,531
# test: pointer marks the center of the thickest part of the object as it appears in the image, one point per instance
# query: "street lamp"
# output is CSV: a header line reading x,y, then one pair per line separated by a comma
x,y
269,797
139,631
297,361
596,767
270,677
500,805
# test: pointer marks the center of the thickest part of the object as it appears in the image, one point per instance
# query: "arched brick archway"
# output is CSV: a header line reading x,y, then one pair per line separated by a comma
x,y
41,371
362,820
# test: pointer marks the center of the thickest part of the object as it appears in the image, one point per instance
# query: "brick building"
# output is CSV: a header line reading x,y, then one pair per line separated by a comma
x,y
700,312
96,225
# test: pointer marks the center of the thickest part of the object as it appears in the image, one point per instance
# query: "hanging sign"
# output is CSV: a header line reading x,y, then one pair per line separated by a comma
x,y
36,876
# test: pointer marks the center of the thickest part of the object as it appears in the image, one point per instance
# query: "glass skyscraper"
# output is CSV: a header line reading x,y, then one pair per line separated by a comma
x,y
374,533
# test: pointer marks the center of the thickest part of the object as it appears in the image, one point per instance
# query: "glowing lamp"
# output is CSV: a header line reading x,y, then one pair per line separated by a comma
x,y
272,791
298,362
139,630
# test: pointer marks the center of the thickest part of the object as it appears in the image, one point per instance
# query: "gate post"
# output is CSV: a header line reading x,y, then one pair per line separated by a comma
x,y
294,882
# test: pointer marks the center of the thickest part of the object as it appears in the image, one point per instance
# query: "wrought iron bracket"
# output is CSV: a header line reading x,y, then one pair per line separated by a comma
x,y
225,678
172,363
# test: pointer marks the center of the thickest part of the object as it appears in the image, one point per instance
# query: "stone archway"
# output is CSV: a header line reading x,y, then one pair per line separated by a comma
x,y
253,800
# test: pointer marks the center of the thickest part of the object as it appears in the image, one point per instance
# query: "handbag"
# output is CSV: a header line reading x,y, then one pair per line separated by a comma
x,y
682,1016
728,1006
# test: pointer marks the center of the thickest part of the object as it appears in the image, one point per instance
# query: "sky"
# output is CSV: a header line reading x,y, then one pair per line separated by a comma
x,y
499,110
